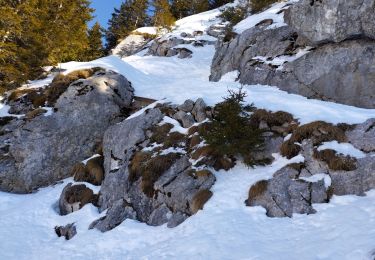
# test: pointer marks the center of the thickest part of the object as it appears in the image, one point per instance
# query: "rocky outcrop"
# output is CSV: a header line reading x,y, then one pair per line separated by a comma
x,y
332,20
131,45
294,188
363,136
144,181
38,152
340,70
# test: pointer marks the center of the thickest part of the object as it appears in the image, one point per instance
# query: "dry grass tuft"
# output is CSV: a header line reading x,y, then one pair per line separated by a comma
x,y
336,162
199,199
258,189
272,119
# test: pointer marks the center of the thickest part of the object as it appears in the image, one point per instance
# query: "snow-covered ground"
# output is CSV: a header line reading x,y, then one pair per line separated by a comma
x,y
226,228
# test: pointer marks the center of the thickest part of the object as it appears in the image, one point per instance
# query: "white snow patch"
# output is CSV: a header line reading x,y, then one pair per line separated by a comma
x,y
92,157
273,13
230,76
173,150
148,30
317,177
343,148
176,125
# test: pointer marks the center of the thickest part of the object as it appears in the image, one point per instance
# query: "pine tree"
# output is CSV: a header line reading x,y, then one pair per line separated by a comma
x,y
199,6
35,33
131,15
181,8
217,3
163,16
95,49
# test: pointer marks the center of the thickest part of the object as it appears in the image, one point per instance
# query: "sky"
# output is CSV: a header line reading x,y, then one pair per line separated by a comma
x,y
104,10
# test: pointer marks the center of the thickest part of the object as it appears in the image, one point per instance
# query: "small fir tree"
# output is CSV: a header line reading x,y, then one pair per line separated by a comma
x,y
95,49
230,133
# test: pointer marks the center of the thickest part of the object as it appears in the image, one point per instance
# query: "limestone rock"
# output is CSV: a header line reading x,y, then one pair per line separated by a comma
x,y
68,231
363,136
43,150
332,20
187,120
199,110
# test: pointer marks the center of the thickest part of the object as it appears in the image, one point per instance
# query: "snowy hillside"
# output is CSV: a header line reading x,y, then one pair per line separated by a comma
x,y
225,228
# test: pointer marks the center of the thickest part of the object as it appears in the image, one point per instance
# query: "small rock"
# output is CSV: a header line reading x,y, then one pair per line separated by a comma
x,y
199,110
187,106
187,120
68,231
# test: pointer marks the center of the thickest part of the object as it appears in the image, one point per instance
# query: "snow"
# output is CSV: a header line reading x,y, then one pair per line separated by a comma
x,y
318,177
343,148
226,228
148,30
271,13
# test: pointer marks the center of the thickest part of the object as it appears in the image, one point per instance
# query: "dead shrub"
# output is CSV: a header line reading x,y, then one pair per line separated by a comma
x,y
174,139
150,169
258,189
199,199
79,193
160,132
336,162
95,170
318,132
271,118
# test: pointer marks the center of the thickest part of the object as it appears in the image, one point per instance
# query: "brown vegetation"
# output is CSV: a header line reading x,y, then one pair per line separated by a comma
x,y
272,119
258,189
199,199
80,193
336,162
318,132
149,169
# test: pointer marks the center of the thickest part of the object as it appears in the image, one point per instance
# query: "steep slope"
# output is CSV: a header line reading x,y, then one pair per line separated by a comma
x,y
226,228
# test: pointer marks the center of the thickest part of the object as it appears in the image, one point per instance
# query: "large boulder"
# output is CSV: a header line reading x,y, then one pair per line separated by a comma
x,y
153,184
294,188
332,20
38,152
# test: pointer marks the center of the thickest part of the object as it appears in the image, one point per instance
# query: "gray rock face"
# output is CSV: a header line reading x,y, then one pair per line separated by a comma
x,y
199,110
124,197
41,151
132,44
118,150
285,194
340,70
290,190
332,20
187,120
363,136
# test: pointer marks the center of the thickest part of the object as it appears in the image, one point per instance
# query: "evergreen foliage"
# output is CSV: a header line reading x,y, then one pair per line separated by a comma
x,y
131,15
259,5
95,48
163,16
231,133
35,33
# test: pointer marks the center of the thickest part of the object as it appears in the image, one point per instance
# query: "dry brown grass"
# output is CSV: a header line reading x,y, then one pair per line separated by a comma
x,y
159,133
205,174
18,93
297,166
272,119
34,113
192,130
199,199
79,171
318,132
174,139
336,162
258,189
95,169
61,82
194,141
150,169
79,193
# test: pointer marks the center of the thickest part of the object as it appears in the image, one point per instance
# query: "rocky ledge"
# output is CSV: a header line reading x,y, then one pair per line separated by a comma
x,y
326,51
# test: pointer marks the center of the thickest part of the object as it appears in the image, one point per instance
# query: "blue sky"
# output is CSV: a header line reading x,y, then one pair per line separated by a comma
x,y
104,10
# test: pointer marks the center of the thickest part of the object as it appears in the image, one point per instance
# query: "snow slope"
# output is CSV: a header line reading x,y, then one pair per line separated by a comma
x,y
225,229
